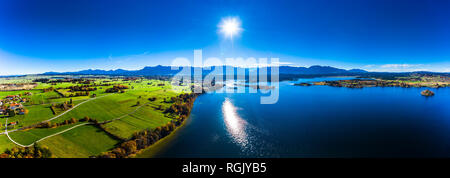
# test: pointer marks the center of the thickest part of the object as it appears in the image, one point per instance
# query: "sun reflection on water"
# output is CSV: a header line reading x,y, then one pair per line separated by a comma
x,y
235,124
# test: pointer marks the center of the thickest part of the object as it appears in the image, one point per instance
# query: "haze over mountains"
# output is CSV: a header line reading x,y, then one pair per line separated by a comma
x,y
167,70
283,70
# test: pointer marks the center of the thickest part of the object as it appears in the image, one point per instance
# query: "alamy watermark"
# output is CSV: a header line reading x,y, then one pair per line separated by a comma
x,y
234,75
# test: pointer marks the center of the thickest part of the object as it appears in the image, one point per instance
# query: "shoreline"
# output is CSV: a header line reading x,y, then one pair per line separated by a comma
x,y
162,143
179,111
159,145
362,83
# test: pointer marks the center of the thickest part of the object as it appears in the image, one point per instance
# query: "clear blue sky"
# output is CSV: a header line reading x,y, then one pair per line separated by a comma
x,y
379,35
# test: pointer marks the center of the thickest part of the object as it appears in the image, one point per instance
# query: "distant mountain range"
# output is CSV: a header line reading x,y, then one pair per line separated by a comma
x,y
167,70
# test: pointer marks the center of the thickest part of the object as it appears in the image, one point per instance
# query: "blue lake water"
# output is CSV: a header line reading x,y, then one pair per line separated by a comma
x,y
317,121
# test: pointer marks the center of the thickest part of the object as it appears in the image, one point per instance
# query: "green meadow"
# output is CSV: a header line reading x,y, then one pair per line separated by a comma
x,y
5,143
81,142
28,137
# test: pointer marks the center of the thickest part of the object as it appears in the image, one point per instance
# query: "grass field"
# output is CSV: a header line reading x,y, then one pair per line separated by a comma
x,y
5,143
31,136
142,119
37,113
81,142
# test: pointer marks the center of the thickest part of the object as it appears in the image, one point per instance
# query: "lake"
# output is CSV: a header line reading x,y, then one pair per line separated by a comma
x,y
316,121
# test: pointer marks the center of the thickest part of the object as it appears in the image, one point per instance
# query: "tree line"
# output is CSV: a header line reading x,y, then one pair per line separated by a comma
x,y
63,106
34,151
139,141
81,88
181,105
65,122
116,88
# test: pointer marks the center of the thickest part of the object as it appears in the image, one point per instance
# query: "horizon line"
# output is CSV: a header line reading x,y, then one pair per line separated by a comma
x,y
286,65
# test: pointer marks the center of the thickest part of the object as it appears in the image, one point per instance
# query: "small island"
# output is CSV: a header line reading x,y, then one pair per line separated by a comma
x,y
427,93
303,84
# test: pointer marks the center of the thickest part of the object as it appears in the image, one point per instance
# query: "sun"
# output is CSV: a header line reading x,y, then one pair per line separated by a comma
x,y
230,27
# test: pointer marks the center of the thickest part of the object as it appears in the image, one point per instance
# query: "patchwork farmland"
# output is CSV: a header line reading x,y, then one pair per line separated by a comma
x,y
86,116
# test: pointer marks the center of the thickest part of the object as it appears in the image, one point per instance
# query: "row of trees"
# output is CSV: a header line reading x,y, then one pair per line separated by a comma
x,y
54,125
116,88
182,105
140,140
49,89
81,93
63,106
65,122
34,151
84,82
81,88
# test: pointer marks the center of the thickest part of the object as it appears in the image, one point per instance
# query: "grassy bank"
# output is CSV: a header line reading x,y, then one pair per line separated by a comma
x,y
161,144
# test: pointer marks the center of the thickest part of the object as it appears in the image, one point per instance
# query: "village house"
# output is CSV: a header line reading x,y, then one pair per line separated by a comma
x,y
13,102
15,106
12,97
12,124
16,98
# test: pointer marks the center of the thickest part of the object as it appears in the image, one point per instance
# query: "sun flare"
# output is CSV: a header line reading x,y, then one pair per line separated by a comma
x,y
230,27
